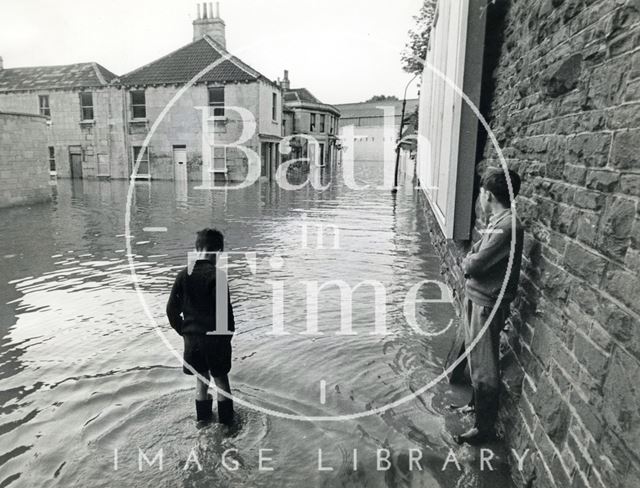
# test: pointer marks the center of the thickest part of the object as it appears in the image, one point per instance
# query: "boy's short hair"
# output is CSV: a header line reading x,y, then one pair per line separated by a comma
x,y
495,181
208,239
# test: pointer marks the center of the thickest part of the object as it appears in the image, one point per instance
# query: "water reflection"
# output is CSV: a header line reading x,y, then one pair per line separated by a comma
x,y
83,371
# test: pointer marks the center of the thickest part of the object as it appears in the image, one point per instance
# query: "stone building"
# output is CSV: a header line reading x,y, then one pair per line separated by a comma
x,y
24,159
375,127
559,84
220,97
99,123
76,100
304,114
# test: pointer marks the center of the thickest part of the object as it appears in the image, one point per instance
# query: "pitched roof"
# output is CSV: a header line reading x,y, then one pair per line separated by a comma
x,y
369,109
68,76
300,95
183,65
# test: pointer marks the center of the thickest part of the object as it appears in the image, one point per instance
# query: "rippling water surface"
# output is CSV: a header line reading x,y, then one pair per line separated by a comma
x,y
85,373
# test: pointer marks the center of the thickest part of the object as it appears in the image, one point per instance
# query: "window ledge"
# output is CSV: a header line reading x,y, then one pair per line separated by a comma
x,y
88,122
138,121
221,171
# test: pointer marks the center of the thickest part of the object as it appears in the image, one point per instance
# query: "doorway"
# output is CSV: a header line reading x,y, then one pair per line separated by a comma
x,y
75,162
180,163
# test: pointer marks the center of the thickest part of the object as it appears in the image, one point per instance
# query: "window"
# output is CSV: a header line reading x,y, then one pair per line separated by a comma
x,y
86,105
312,123
219,159
331,121
323,120
138,104
216,100
274,107
43,101
446,159
143,169
52,159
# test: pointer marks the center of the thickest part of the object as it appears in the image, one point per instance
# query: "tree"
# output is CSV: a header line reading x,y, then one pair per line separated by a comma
x,y
415,50
382,98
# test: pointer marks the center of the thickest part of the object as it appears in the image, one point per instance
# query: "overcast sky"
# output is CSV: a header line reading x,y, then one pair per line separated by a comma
x,y
341,50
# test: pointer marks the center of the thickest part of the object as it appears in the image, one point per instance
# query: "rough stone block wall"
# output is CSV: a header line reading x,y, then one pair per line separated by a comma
x,y
65,128
566,112
24,163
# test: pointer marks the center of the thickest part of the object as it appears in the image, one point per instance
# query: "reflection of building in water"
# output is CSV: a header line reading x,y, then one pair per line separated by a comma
x,y
304,114
375,127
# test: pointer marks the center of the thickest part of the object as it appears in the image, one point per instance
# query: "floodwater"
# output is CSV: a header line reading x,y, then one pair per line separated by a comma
x,y
88,381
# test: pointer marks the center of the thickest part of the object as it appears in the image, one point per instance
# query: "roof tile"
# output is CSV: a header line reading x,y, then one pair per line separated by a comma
x,y
68,76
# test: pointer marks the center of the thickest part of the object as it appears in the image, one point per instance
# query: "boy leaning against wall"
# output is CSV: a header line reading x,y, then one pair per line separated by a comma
x,y
486,269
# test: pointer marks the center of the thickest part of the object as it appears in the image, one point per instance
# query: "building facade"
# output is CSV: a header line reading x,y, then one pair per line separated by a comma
x,y
214,112
372,128
207,102
559,85
76,101
305,115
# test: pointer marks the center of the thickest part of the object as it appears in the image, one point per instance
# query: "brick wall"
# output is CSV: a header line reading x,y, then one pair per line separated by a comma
x,y
24,163
566,112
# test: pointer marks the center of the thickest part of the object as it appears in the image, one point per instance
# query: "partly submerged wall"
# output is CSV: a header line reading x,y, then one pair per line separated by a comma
x,y
24,159
565,108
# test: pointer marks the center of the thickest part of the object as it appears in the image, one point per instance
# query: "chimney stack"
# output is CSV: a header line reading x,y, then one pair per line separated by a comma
x,y
285,84
1,63
208,25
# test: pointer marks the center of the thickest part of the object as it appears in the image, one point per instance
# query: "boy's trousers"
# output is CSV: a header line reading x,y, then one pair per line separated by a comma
x,y
483,359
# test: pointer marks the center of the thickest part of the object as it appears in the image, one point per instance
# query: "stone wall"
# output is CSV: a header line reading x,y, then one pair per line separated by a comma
x,y
94,139
24,163
566,112
182,125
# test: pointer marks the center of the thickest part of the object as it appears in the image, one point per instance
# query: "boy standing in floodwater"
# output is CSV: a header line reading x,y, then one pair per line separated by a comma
x,y
193,314
485,269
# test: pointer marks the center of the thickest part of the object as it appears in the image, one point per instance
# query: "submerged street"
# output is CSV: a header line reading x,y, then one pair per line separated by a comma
x,y
82,365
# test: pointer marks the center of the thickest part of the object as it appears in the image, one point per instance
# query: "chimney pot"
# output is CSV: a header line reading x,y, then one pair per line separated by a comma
x,y
208,24
217,10
285,82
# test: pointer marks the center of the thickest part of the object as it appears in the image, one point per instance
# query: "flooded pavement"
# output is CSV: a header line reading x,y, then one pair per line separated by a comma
x,y
87,382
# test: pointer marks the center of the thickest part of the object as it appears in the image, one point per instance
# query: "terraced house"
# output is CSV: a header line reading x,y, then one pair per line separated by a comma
x,y
221,97
304,115
77,101
211,108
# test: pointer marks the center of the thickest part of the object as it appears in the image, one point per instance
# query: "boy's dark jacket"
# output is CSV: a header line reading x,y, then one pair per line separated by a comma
x,y
485,267
194,295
